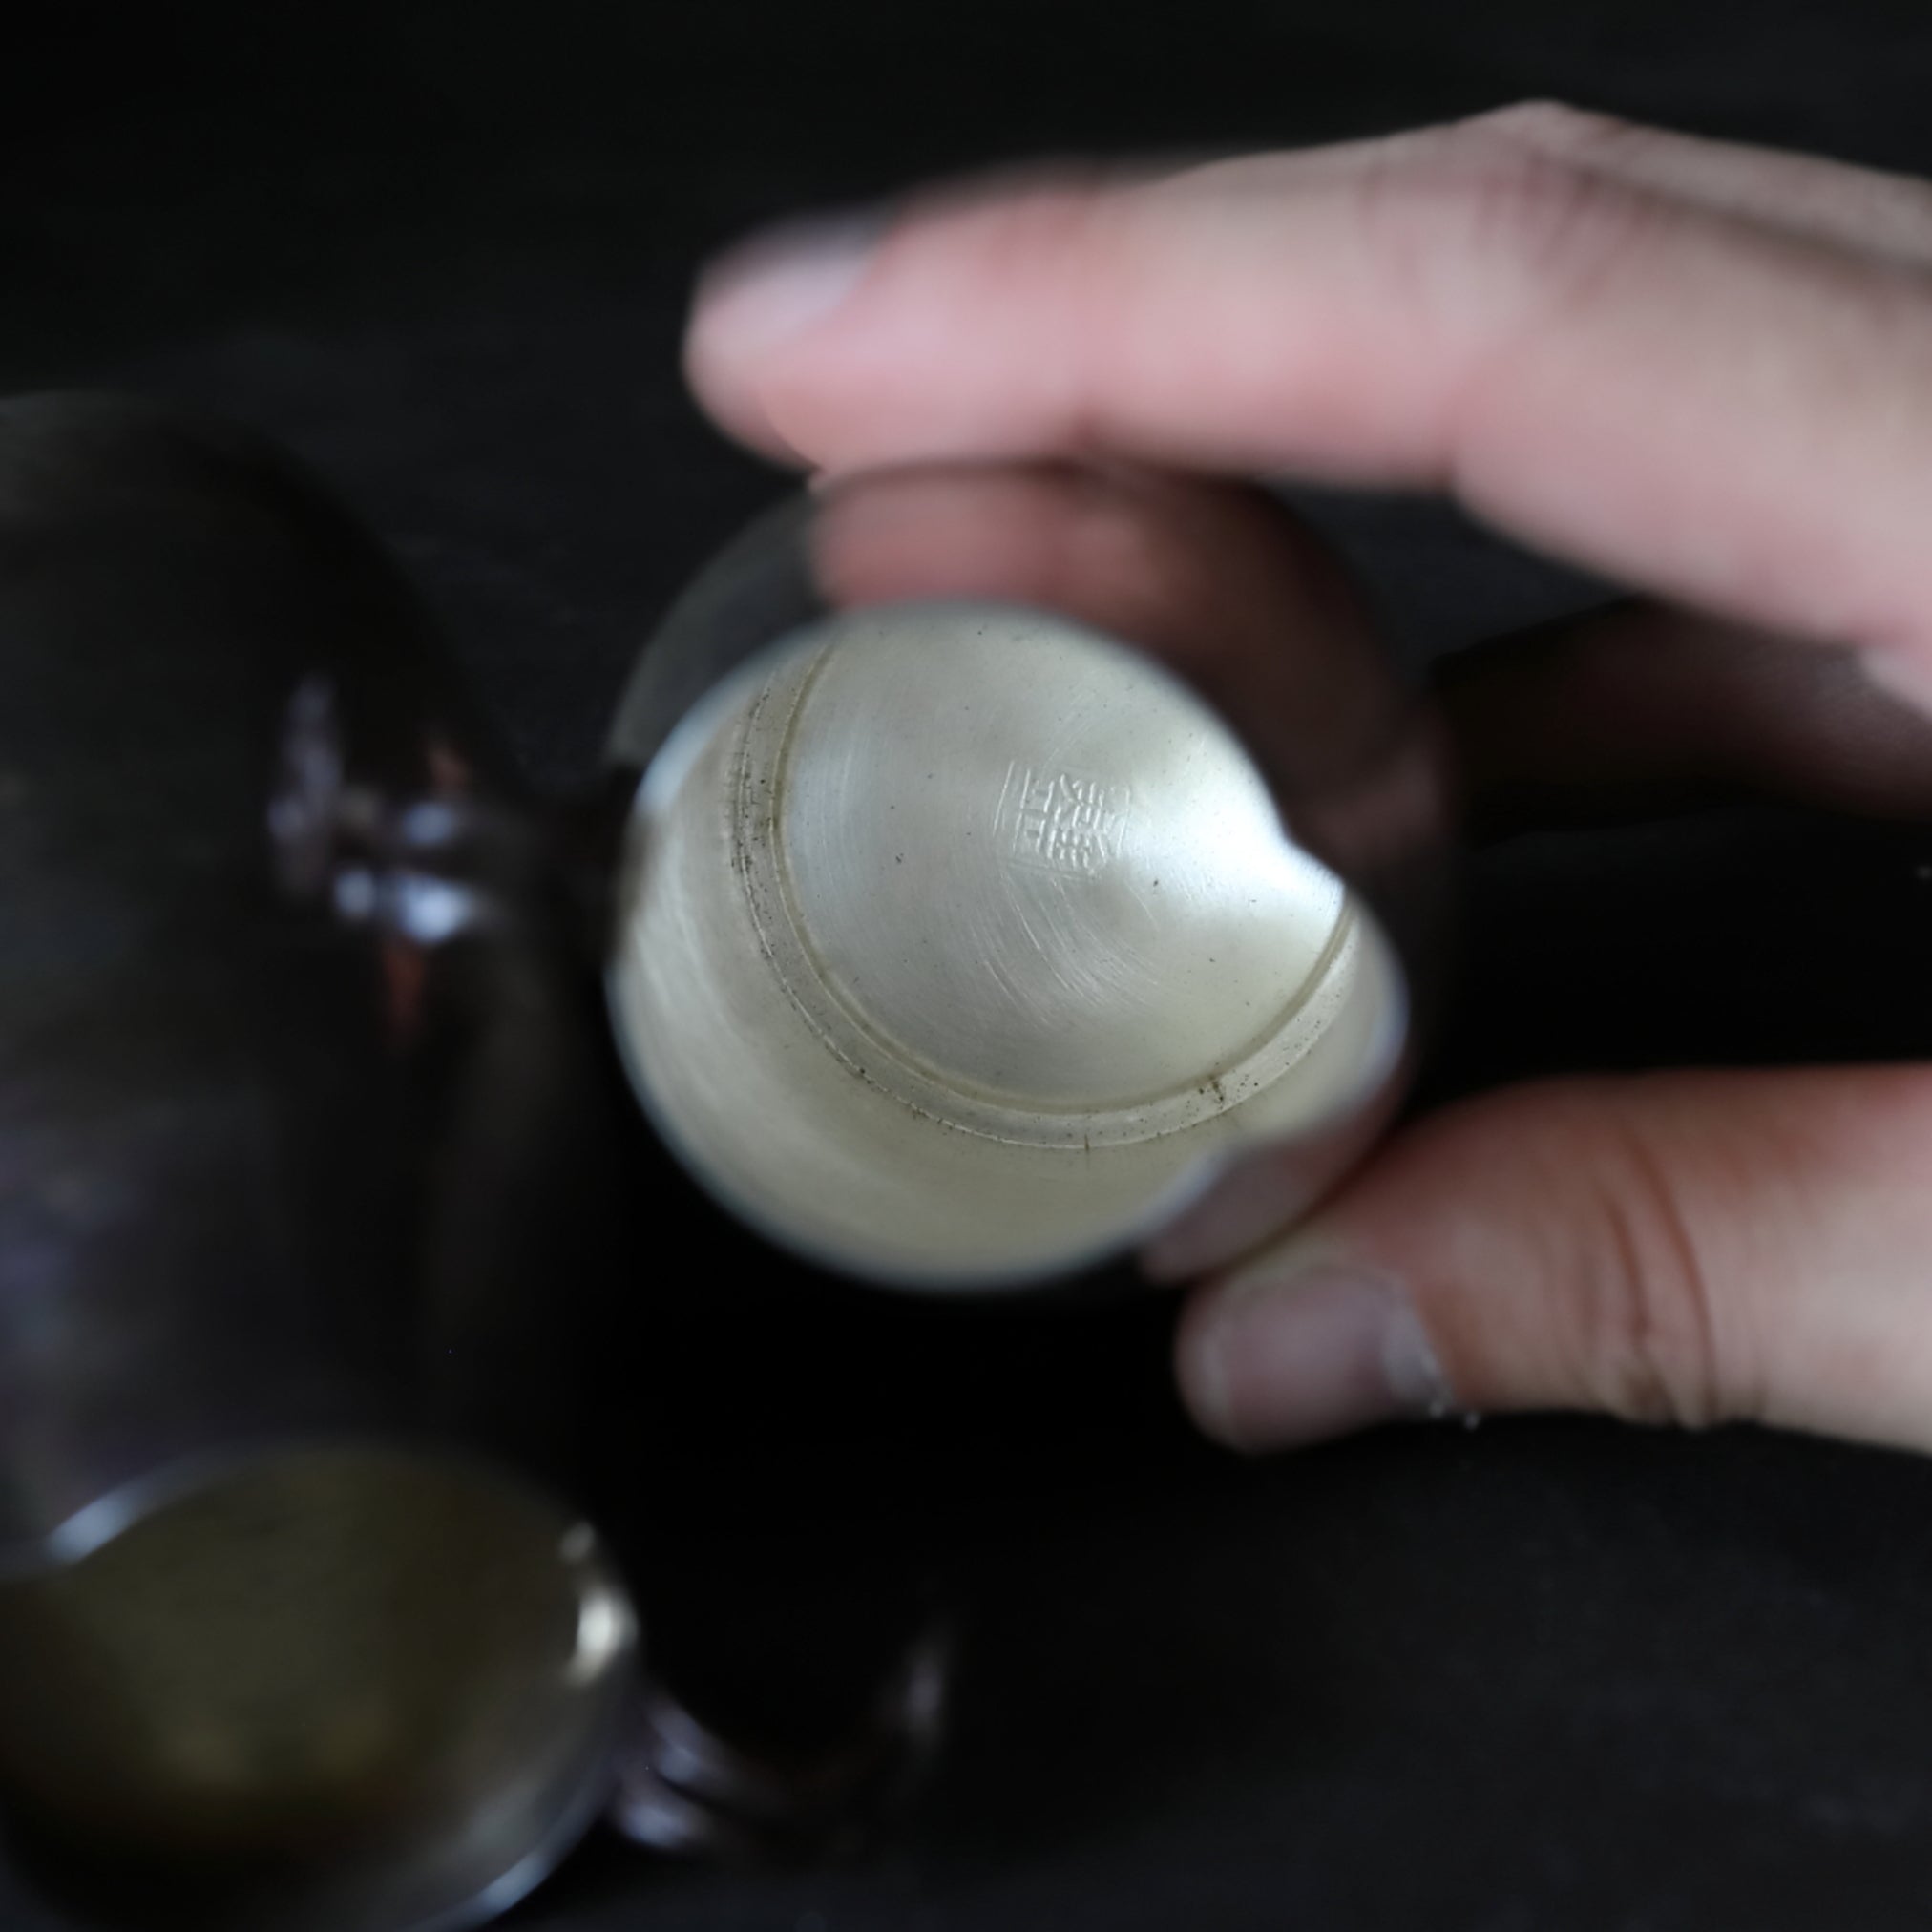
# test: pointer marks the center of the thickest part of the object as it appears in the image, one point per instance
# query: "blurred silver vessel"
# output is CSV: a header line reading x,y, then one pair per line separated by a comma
x,y
297,1635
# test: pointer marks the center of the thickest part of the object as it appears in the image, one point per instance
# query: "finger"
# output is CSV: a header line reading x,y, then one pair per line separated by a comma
x,y
1638,712
1733,414
1688,1249
1857,207
1646,710
1216,579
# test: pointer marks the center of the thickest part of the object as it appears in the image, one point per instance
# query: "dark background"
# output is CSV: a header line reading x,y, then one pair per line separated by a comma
x,y
1539,1674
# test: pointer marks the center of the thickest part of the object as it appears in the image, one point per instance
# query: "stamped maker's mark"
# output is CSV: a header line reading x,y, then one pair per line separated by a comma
x,y
1066,823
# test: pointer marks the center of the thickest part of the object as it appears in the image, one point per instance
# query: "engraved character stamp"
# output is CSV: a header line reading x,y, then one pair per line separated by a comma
x,y
1067,823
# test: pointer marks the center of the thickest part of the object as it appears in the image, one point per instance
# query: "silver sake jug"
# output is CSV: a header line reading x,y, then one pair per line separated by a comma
x,y
1013,852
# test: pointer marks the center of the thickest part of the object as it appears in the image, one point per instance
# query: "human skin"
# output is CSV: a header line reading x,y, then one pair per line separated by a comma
x,y
1702,369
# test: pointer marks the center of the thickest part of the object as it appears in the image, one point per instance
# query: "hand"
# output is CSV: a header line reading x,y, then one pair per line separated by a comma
x,y
1704,369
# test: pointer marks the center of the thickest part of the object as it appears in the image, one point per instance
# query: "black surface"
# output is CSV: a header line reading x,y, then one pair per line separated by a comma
x,y
1541,1675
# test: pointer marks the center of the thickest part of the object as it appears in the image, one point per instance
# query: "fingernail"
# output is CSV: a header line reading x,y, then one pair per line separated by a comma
x,y
777,285
1283,1356
1902,675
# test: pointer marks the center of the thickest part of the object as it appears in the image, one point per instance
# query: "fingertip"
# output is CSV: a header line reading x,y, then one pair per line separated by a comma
x,y
1200,1367
725,396
1295,1350
762,299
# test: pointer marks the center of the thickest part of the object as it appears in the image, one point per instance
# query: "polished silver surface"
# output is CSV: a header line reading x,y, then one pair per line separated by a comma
x,y
371,1686
958,941
1012,850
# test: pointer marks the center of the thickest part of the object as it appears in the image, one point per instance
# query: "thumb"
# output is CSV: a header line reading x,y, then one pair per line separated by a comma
x,y
1679,1248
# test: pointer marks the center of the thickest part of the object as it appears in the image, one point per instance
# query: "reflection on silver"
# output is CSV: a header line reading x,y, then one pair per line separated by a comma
x,y
684,1789
605,1630
957,944
426,870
